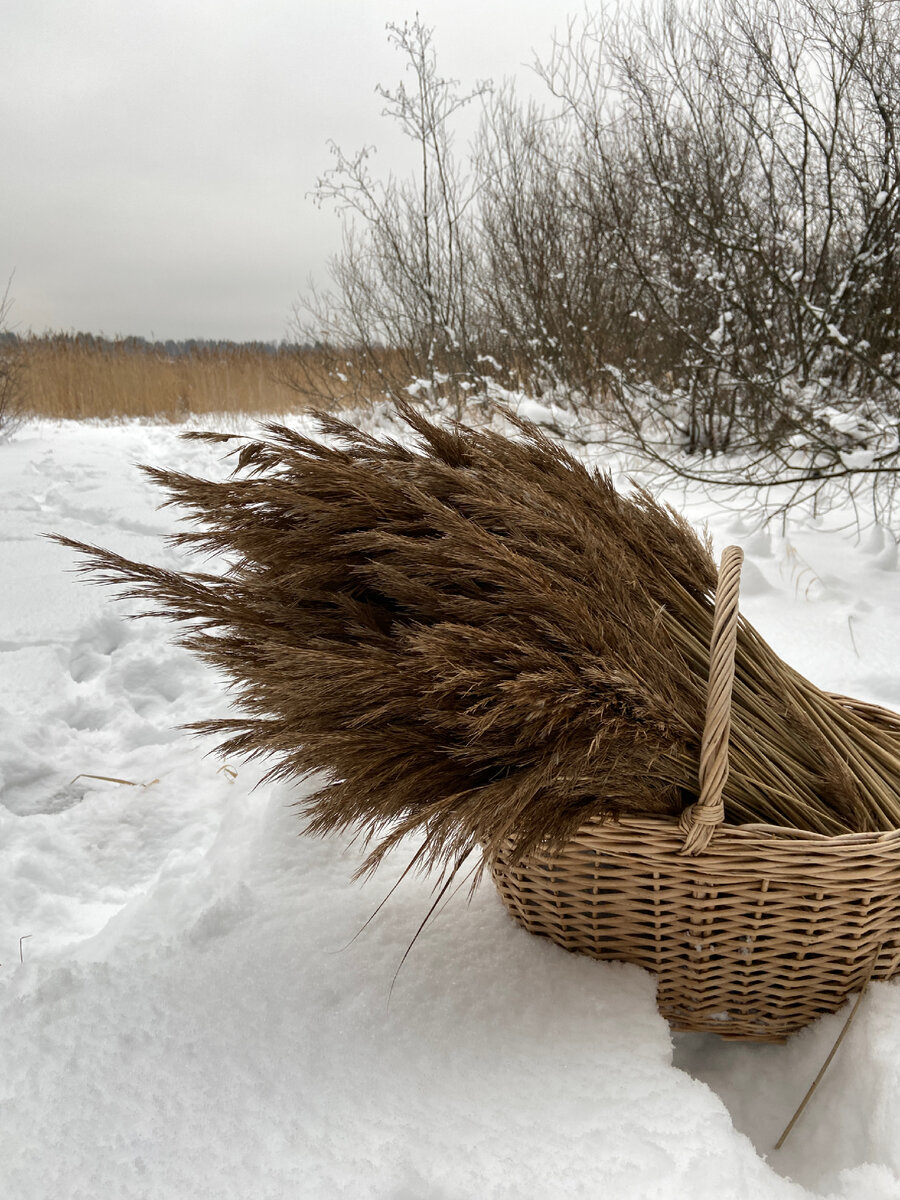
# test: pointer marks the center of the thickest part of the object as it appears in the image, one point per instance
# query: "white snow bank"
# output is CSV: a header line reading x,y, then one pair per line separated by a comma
x,y
193,1017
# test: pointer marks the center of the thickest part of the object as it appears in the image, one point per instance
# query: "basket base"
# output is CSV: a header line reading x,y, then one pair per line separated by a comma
x,y
761,934
727,1029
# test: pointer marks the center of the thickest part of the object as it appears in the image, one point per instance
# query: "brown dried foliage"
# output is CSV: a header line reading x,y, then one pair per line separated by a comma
x,y
480,638
80,377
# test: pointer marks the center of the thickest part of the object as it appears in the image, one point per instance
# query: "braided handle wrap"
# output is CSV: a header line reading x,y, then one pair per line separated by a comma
x,y
699,821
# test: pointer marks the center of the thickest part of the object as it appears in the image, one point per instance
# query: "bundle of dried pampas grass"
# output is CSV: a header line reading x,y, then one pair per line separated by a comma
x,y
481,639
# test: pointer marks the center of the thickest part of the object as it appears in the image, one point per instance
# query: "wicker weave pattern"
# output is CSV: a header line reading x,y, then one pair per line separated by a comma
x,y
764,932
753,931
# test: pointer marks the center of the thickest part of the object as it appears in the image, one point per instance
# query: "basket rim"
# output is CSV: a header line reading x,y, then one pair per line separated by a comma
x,y
749,830
660,838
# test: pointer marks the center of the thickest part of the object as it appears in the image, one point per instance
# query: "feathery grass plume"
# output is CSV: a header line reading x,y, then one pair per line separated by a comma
x,y
478,639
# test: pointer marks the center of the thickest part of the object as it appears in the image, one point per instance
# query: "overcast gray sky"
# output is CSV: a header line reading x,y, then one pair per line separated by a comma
x,y
156,155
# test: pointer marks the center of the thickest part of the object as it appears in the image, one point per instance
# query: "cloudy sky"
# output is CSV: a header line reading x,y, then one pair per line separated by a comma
x,y
156,157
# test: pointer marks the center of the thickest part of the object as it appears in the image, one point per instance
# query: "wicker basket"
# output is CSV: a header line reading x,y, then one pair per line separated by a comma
x,y
752,931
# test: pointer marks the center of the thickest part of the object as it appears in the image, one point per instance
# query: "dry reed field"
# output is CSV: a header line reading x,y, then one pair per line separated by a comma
x,y
82,377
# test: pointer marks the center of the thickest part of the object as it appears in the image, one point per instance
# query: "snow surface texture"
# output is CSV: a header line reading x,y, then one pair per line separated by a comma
x,y
193,1017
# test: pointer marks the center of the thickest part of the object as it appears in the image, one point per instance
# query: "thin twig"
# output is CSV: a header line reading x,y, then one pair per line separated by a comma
x,y
112,779
834,1049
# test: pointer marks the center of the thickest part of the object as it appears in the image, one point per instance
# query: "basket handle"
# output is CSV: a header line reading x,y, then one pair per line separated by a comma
x,y
699,821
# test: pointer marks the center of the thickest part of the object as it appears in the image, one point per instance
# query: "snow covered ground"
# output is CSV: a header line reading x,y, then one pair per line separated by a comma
x,y
194,1018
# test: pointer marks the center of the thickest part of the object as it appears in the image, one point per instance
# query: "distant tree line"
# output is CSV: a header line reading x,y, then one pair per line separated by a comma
x,y
99,344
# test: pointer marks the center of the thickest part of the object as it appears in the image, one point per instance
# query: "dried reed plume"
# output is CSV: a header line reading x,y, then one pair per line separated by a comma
x,y
481,639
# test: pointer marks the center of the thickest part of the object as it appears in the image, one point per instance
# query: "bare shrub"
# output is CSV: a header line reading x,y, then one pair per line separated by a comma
x,y
403,279
698,238
11,372
745,157
542,290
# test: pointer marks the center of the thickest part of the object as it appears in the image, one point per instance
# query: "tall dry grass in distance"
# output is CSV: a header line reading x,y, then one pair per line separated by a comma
x,y
81,377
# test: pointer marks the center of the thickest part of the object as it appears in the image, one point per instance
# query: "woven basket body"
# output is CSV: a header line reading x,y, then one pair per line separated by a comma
x,y
753,931
763,932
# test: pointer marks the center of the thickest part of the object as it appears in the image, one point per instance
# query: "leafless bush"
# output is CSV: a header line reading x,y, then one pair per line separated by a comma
x,y
11,369
552,310
745,156
700,232
403,279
